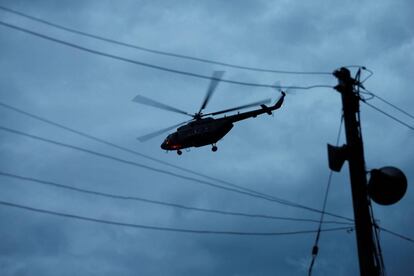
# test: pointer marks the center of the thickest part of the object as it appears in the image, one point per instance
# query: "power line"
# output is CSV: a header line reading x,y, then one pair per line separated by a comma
x,y
384,229
315,248
146,49
105,142
134,152
388,115
156,67
158,228
379,257
128,162
371,73
401,122
396,234
140,154
161,171
391,104
157,202
282,201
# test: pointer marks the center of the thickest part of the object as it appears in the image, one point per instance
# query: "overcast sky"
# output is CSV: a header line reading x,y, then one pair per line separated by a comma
x,y
284,155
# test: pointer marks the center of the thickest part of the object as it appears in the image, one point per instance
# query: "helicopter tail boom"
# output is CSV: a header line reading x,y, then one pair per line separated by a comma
x,y
277,105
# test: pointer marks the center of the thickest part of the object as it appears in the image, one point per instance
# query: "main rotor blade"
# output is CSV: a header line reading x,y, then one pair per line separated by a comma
x,y
149,136
215,79
239,107
143,100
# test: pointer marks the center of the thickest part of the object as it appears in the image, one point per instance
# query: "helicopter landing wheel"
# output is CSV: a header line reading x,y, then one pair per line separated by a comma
x,y
179,152
214,148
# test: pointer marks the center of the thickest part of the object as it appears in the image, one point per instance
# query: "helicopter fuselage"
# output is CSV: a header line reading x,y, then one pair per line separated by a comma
x,y
209,130
205,131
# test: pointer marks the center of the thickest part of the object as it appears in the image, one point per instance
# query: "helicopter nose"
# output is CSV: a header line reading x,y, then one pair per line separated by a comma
x,y
164,144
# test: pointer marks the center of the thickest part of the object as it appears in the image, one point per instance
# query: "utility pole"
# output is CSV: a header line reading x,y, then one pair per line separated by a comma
x,y
353,151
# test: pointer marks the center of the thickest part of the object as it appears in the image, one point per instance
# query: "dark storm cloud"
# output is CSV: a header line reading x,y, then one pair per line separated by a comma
x,y
284,155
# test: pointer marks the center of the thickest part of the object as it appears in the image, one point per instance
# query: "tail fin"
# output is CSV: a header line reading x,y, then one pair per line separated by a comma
x,y
279,103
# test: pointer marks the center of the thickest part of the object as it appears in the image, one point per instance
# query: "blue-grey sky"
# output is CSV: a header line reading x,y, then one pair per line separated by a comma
x,y
284,155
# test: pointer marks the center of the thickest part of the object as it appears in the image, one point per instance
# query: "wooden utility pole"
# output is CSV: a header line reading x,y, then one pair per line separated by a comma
x,y
354,153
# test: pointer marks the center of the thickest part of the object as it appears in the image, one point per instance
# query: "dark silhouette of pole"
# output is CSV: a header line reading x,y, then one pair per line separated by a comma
x,y
367,252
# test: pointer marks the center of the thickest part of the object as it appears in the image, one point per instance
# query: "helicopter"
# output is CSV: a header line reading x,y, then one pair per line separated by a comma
x,y
203,129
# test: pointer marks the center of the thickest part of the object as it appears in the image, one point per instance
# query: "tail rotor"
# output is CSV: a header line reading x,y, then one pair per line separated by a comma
x,y
284,89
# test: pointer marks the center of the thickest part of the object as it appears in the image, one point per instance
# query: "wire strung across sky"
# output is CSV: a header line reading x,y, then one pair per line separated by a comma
x,y
196,180
388,115
396,234
379,259
131,151
157,67
169,229
165,172
373,95
160,228
315,248
390,104
146,49
158,202
94,138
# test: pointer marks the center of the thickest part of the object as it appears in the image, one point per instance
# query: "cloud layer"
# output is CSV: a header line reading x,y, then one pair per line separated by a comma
x,y
284,155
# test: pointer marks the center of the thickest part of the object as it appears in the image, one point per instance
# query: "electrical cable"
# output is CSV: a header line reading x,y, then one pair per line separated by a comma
x,y
323,230
94,138
158,228
315,248
366,93
355,66
388,115
390,104
148,65
396,234
134,152
379,259
165,172
371,73
158,202
146,49
385,230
